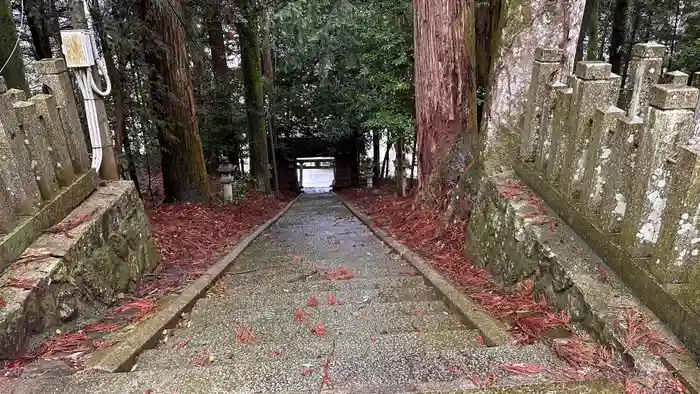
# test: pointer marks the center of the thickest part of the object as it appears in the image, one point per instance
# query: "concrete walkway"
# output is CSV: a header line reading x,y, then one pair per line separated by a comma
x,y
383,331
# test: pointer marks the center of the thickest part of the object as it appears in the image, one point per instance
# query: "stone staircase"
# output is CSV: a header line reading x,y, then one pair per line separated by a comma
x,y
386,331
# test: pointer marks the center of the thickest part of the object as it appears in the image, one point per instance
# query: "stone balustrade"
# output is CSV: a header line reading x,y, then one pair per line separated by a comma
x,y
44,164
631,171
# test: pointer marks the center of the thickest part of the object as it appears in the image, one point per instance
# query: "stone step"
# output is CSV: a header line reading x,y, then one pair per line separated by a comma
x,y
61,275
283,270
320,284
322,311
169,354
299,300
348,372
216,328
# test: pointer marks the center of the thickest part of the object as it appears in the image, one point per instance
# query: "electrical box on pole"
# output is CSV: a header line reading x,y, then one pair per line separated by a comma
x,y
77,48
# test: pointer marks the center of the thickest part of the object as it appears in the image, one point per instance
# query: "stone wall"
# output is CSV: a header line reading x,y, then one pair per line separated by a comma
x,y
67,246
606,181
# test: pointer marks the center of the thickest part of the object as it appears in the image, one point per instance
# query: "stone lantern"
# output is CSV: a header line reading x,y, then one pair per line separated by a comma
x,y
367,170
226,170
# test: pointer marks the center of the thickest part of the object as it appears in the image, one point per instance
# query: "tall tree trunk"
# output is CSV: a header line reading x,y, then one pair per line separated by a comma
x,y
592,48
553,25
487,16
636,23
269,73
603,37
252,80
413,156
445,79
222,78
385,163
376,140
617,37
36,12
14,66
184,171
590,18
400,173
675,33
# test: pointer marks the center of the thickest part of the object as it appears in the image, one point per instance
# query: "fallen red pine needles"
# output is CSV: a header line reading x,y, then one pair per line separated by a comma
x,y
102,327
64,228
312,302
339,273
522,369
244,336
183,343
529,319
68,343
144,306
302,315
24,284
318,330
3,303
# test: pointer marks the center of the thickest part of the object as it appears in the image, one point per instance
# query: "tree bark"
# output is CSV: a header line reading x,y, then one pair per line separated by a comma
x,y
36,12
184,171
675,33
592,48
590,18
252,80
413,157
487,16
269,73
385,163
617,37
376,140
14,68
549,25
445,78
400,173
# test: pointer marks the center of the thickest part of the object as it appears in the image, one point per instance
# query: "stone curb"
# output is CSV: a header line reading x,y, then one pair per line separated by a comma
x,y
492,330
122,356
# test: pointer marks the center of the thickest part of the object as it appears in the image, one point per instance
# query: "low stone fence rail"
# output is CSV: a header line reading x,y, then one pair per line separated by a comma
x,y
44,164
622,169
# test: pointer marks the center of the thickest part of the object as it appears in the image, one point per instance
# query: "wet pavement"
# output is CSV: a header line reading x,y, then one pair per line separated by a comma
x,y
318,303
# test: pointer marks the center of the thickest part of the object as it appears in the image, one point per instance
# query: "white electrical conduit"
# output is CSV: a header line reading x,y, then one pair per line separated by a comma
x,y
83,76
88,88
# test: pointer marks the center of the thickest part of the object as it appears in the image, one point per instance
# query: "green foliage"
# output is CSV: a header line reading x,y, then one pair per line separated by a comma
x,y
344,67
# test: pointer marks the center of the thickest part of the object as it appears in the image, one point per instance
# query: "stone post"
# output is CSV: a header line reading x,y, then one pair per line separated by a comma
x,y
675,78
644,71
560,138
695,136
591,91
29,195
547,62
615,85
54,76
621,175
37,148
669,117
9,173
50,122
545,140
599,154
678,252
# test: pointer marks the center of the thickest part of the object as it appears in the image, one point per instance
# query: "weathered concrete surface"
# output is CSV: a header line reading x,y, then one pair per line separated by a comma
x,y
380,337
29,229
80,269
122,356
514,245
493,331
